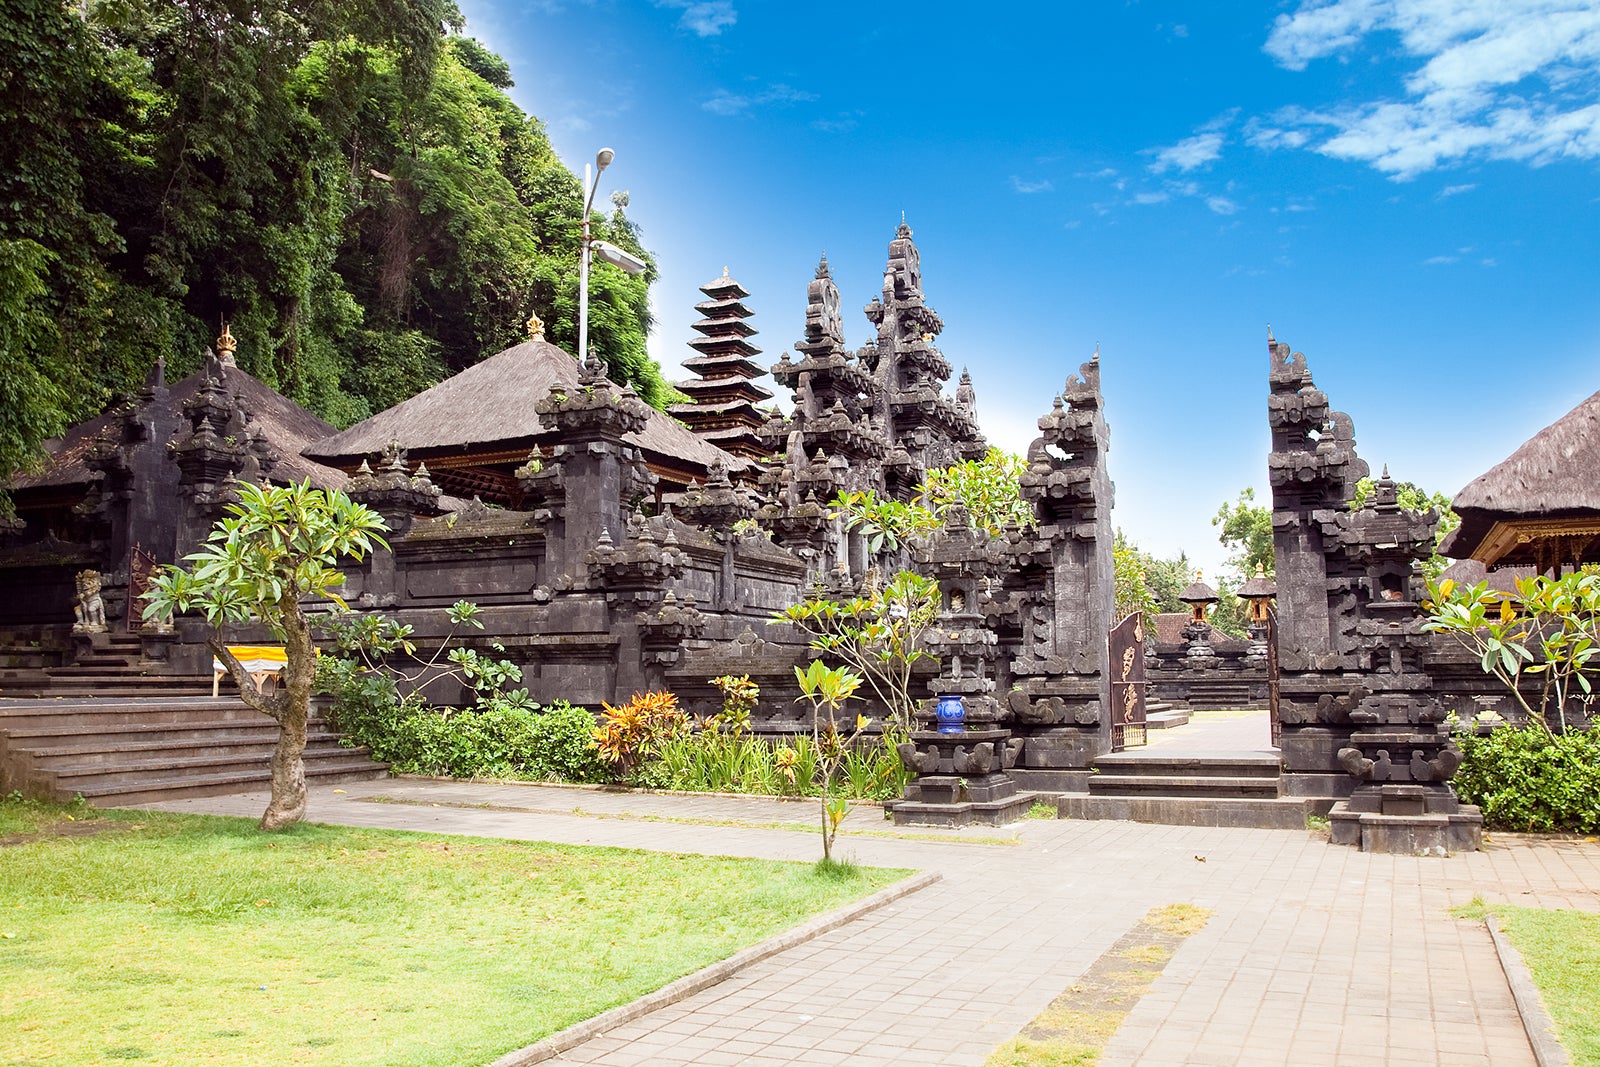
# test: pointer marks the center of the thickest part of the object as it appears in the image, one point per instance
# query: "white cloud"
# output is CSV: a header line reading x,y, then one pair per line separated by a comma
x,y
723,102
1189,153
704,18
1025,187
1221,205
1456,190
1437,261
1494,79
1151,198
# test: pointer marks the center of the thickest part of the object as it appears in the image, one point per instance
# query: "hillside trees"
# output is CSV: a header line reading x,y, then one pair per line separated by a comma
x,y
348,184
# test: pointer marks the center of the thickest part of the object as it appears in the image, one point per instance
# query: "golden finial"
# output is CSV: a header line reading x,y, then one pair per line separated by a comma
x,y
535,327
724,270
226,346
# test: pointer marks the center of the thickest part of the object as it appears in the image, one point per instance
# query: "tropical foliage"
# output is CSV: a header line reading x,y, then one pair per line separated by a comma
x,y
277,549
348,184
987,488
1528,779
878,635
1545,635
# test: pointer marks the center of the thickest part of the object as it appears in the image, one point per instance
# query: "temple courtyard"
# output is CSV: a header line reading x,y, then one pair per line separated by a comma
x,y
1313,955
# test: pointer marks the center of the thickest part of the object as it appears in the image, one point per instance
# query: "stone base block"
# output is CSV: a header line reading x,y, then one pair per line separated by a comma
x,y
1045,781
1276,813
1408,835
965,813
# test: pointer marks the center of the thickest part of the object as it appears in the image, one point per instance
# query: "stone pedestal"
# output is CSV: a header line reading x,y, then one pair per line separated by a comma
x,y
1405,803
961,780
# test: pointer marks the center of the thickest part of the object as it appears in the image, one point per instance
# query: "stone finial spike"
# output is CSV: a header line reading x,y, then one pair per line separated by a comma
x,y
1096,357
1270,339
226,346
822,267
1385,472
535,327
903,230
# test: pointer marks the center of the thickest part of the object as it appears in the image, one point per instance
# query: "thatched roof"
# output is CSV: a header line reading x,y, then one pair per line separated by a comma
x,y
287,426
489,407
1553,475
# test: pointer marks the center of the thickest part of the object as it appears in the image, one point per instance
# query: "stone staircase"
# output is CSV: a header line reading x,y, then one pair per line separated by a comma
x,y
128,750
1188,790
113,666
1216,693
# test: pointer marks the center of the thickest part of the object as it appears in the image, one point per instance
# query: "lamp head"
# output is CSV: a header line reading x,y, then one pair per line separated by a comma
x,y
603,158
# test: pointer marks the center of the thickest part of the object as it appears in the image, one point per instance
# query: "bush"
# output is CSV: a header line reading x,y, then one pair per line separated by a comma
x,y
506,737
1528,779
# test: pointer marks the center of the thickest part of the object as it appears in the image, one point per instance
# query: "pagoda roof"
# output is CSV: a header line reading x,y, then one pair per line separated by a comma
x,y
737,406
713,346
1551,476
724,284
705,388
489,407
724,366
725,327
733,309
286,426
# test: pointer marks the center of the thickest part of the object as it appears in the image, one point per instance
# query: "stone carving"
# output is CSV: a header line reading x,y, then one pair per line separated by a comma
x,y
89,611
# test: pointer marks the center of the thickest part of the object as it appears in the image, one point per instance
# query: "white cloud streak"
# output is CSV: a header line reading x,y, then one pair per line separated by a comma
x,y
723,102
1497,79
1028,187
703,18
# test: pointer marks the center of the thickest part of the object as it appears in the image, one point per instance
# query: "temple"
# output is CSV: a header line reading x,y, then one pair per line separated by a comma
x,y
612,549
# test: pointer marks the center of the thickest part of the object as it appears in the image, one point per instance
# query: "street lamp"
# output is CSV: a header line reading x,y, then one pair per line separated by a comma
x,y
608,253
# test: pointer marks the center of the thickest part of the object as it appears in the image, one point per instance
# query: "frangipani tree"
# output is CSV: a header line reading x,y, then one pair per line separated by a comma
x,y
278,548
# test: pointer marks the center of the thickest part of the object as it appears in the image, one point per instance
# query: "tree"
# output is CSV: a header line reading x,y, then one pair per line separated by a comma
x,y
1246,529
1145,583
878,634
825,687
277,549
1548,631
989,488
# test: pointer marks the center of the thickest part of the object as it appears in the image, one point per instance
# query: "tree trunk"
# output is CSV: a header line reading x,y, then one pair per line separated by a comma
x,y
288,804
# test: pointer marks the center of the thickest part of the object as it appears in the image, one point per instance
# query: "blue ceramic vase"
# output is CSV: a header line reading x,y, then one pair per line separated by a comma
x,y
951,713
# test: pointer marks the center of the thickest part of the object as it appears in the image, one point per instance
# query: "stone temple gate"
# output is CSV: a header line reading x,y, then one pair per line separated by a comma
x,y
613,549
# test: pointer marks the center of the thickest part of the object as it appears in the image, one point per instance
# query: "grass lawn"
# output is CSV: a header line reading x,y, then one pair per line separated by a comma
x,y
164,939
1562,950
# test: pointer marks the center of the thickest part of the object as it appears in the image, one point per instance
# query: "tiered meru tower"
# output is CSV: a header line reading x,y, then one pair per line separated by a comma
x,y
723,399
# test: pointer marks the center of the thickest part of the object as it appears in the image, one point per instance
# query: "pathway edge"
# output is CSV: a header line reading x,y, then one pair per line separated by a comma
x,y
1536,1020
706,977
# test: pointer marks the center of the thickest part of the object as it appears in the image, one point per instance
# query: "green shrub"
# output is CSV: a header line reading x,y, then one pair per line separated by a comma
x,y
1528,779
501,737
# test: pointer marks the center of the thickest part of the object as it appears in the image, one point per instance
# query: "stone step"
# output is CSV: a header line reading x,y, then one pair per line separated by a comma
x,y
1166,719
1279,813
78,687
99,778
1146,762
214,739
1173,785
202,785
60,717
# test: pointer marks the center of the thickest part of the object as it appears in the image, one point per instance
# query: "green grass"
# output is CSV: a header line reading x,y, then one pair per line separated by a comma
x,y
1562,950
171,939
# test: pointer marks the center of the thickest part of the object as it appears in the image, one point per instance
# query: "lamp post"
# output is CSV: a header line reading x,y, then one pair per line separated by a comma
x,y
602,160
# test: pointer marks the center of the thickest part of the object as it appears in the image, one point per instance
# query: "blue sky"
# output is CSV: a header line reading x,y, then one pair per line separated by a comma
x,y
1405,189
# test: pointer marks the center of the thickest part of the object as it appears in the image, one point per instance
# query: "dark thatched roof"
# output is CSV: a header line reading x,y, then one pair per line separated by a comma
x,y
1556,473
287,426
489,407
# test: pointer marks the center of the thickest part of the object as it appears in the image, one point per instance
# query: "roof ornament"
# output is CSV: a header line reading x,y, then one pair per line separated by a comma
x,y
903,230
724,270
226,346
535,327
1271,340
822,267
1096,357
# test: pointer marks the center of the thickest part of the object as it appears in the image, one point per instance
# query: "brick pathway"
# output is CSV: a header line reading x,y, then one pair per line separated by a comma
x,y
1315,955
